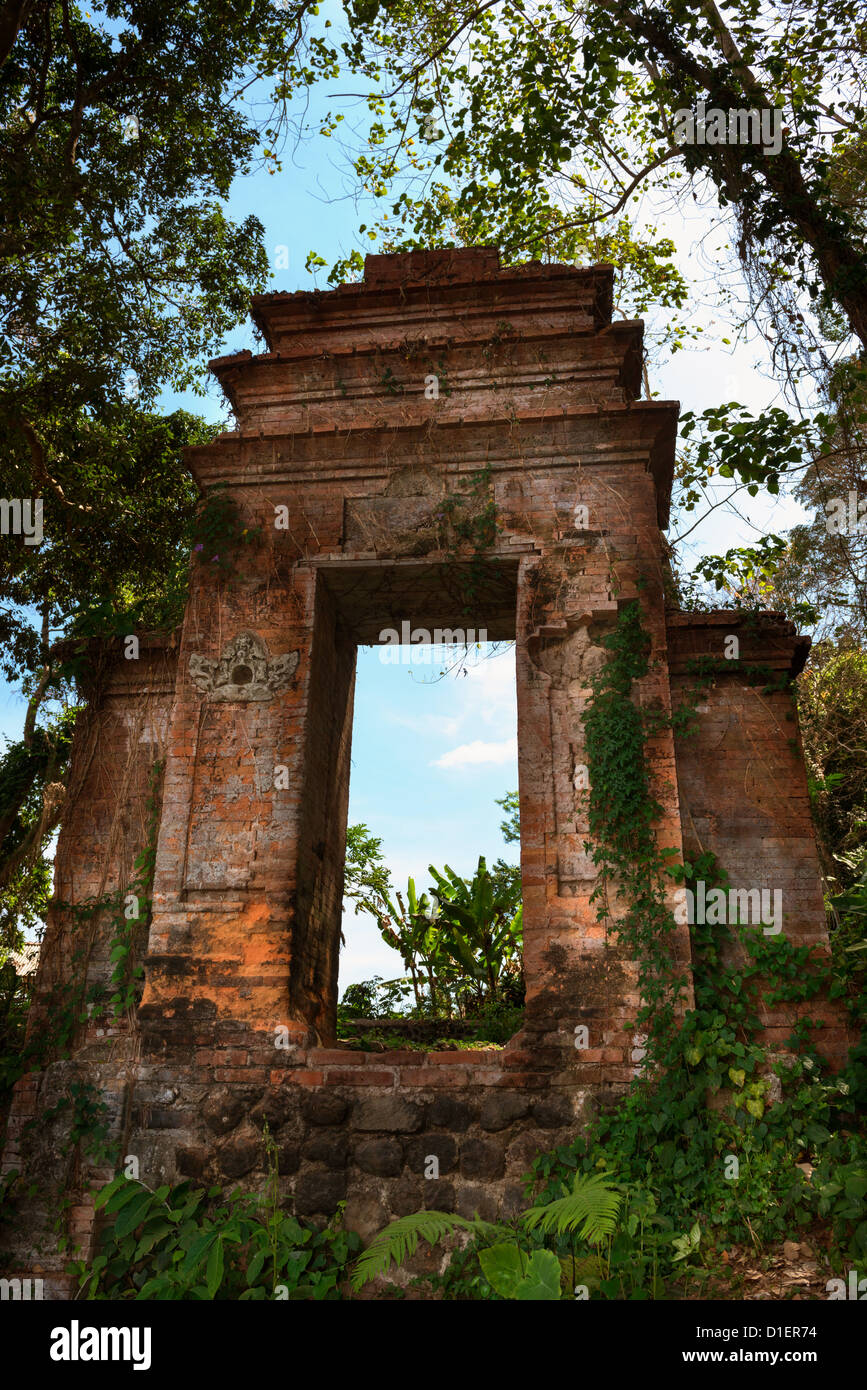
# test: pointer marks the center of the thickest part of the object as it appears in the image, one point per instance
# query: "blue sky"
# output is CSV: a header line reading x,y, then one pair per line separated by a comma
x,y
429,758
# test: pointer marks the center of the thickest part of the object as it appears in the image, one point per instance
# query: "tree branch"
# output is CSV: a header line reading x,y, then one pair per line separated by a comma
x,y
13,17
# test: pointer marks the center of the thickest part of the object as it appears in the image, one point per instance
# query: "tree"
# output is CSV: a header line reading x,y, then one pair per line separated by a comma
x,y
480,930
462,942
541,124
405,922
547,130
366,878
832,704
120,135
120,139
511,826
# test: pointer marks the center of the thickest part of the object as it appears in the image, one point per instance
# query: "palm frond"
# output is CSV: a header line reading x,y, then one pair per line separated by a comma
x,y
593,1205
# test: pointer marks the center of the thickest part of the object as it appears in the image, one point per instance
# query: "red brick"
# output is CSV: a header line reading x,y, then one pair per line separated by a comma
x,y
434,1076
462,1059
343,1057
359,1077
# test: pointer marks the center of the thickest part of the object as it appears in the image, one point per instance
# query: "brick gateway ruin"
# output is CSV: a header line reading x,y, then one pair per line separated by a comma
x,y
380,413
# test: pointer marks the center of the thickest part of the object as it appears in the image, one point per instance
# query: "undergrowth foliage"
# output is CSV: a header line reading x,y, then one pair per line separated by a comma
x,y
589,1211
718,1141
189,1243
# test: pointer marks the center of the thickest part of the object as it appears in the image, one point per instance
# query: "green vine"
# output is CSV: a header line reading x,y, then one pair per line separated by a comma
x,y
775,1114
132,923
69,1007
130,909
218,534
621,816
670,1137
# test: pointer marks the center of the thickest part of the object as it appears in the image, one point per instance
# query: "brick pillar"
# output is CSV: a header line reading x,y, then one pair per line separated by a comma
x,y
569,598
119,740
743,785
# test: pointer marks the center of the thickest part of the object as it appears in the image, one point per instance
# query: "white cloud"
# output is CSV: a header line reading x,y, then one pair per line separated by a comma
x,y
479,752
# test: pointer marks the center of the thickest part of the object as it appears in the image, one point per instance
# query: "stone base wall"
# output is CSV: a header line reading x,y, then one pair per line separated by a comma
x,y
350,1127
357,1127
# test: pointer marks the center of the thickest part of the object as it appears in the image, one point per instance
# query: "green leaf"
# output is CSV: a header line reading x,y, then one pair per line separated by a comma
x,y
197,1250
108,1191
400,1240
504,1267
254,1268
132,1214
591,1209
214,1274
542,1281
856,1185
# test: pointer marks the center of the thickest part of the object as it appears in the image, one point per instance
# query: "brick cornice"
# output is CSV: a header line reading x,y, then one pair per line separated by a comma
x,y
640,432
765,640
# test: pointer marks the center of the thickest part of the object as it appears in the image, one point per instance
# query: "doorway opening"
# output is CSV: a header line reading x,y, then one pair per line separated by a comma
x,y
427,919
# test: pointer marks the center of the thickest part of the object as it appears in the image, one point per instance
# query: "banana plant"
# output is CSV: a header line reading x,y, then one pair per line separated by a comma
x,y
481,931
410,927
463,940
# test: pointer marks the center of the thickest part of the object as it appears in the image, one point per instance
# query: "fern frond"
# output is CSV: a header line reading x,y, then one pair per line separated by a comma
x,y
592,1204
400,1240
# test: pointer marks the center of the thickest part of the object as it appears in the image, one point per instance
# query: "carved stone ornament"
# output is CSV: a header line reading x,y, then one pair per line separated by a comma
x,y
243,671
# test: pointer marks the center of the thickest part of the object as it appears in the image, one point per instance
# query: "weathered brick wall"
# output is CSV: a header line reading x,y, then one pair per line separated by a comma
x,y
743,786
119,739
440,383
336,428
